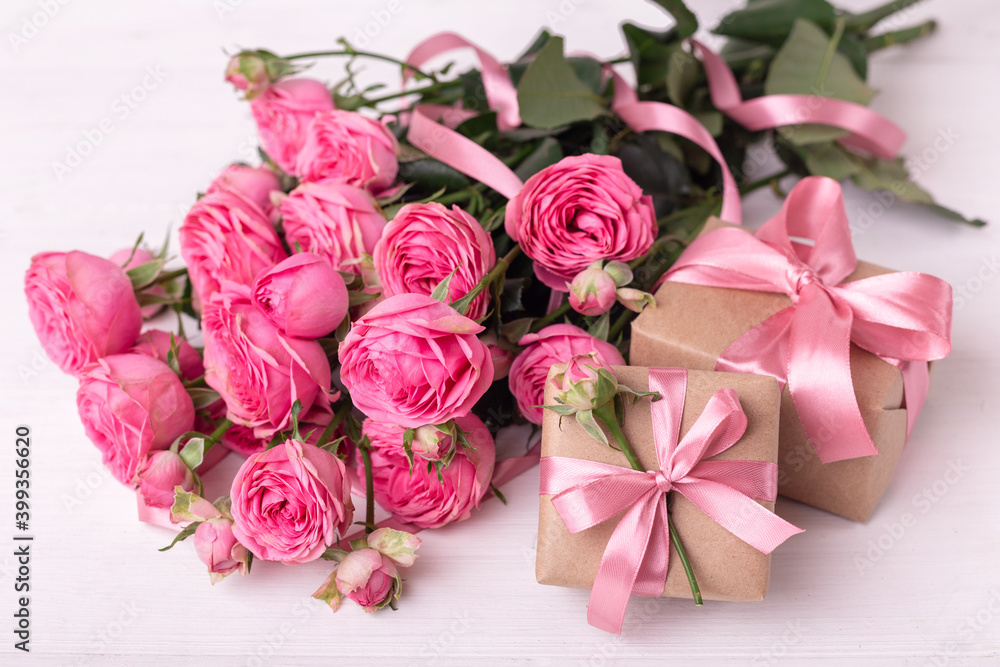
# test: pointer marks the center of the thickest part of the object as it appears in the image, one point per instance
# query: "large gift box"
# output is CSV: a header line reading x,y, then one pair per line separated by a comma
x,y
853,338
726,567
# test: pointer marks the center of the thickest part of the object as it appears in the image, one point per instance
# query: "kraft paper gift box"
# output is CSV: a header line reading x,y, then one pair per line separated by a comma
x,y
691,325
726,568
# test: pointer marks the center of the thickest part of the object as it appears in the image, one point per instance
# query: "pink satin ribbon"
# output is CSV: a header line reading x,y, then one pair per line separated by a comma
x,y
870,131
636,560
902,317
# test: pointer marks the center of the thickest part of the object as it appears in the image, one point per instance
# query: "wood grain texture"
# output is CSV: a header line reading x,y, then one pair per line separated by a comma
x,y
923,593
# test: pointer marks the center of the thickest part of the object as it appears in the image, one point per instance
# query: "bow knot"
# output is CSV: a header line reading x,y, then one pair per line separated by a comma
x,y
636,560
800,276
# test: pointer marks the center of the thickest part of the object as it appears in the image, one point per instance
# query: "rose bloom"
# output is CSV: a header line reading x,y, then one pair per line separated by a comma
x,y
418,497
351,148
303,296
290,502
218,548
131,405
368,578
226,236
81,306
129,259
582,209
258,370
156,343
159,474
283,112
338,222
412,360
425,243
253,183
555,344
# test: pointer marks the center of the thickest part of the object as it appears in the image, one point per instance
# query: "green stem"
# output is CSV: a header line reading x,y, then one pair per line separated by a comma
x,y
866,20
455,197
352,52
831,50
166,277
217,434
544,320
369,490
899,36
337,419
606,415
619,325
498,270
435,88
757,185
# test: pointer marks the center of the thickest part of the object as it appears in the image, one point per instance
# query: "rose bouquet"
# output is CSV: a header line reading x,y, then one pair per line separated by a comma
x,y
370,306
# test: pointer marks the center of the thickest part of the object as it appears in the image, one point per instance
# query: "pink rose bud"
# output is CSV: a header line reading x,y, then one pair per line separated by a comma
x,y
257,369
351,148
580,210
418,497
131,405
140,256
426,243
253,183
159,474
592,291
368,578
302,296
397,545
290,502
82,308
283,112
338,222
227,237
412,360
247,71
635,299
582,384
156,344
218,548
431,443
555,344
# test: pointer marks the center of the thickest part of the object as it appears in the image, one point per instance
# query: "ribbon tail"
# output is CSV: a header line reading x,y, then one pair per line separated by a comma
x,y
916,384
621,564
743,517
762,350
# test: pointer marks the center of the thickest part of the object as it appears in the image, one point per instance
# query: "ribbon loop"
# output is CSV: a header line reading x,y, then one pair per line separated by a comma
x,y
636,559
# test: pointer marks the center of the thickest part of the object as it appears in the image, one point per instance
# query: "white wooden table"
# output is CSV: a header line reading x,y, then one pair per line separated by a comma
x,y
924,593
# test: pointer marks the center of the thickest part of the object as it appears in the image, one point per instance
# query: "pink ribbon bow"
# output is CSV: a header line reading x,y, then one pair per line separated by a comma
x,y
901,317
636,560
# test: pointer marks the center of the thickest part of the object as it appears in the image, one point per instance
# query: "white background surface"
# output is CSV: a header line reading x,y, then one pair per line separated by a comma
x,y
100,587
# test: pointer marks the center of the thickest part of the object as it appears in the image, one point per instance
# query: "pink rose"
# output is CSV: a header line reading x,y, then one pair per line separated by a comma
x,y
242,440
283,112
253,183
425,243
351,148
577,211
418,497
159,474
302,296
156,344
412,360
334,220
226,236
290,502
258,370
139,256
82,307
131,405
370,575
217,547
555,344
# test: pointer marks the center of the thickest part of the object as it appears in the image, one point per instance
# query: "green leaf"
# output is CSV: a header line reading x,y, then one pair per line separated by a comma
x,y
550,94
432,175
600,327
683,74
798,69
649,52
440,292
829,160
769,21
547,153
854,50
589,71
589,424
334,554
183,535
193,453
144,274
202,398
686,21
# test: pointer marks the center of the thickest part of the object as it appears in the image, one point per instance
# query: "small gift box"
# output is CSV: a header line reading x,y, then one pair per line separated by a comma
x,y
709,445
848,340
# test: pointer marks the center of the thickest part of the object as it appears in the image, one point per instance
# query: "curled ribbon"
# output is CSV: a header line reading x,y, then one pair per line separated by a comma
x,y
636,560
901,317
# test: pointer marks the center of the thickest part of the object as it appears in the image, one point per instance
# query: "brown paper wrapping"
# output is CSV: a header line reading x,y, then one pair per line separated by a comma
x,y
726,567
690,327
